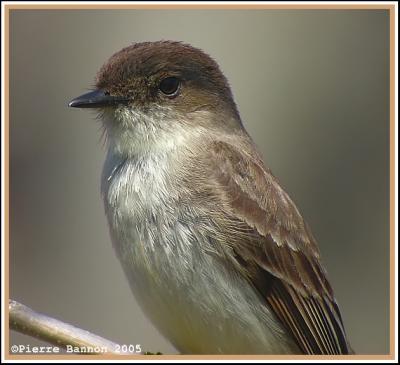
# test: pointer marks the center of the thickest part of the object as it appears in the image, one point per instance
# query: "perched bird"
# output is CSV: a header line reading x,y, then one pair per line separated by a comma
x,y
215,251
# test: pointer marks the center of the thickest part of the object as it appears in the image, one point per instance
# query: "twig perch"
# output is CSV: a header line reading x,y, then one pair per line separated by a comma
x,y
29,322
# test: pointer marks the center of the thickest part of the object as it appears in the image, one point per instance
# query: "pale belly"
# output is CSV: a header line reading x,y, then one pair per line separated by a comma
x,y
195,302
199,303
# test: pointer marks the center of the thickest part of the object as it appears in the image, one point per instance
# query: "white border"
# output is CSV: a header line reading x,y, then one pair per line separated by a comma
x,y
378,3
2,188
197,3
396,180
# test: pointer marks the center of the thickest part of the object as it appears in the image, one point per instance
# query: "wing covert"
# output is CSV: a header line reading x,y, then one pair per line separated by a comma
x,y
276,251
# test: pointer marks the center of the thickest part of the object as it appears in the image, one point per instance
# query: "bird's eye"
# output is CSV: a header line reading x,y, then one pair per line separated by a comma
x,y
169,86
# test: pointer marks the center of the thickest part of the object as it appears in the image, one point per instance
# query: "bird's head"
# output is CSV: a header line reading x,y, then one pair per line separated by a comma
x,y
153,86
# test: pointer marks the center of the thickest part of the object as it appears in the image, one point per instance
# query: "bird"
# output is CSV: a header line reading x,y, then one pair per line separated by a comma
x,y
216,253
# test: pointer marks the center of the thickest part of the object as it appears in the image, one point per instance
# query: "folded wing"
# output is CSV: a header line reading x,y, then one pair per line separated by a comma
x,y
275,250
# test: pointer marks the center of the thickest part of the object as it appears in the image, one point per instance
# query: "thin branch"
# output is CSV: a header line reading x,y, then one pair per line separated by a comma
x,y
29,322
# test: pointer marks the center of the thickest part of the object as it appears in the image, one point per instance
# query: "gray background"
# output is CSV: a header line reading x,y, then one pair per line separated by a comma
x,y
313,90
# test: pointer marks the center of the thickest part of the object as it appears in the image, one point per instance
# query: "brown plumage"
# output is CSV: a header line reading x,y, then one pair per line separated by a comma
x,y
255,227
274,248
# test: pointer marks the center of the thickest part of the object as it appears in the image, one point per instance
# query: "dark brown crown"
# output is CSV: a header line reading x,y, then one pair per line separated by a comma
x,y
142,64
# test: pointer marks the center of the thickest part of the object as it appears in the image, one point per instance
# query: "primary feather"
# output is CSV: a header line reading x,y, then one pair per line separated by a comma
x,y
275,249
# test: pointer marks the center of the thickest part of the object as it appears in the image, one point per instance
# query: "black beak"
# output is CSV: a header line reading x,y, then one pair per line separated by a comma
x,y
97,99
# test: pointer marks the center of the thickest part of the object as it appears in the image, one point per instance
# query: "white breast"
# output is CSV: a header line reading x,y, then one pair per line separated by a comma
x,y
200,306
198,303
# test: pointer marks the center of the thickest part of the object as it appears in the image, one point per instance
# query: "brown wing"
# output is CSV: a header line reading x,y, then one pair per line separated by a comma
x,y
276,251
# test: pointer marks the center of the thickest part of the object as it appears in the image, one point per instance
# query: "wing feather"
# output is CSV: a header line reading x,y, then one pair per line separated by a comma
x,y
276,250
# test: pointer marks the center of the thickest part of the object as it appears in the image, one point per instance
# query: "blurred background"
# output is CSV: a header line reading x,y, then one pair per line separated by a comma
x,y
312,87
